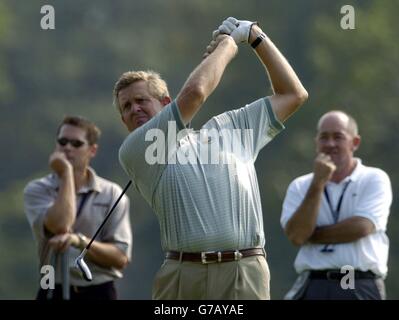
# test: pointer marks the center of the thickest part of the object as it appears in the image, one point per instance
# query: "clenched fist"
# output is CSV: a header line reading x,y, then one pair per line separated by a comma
x,y
59,163
323,168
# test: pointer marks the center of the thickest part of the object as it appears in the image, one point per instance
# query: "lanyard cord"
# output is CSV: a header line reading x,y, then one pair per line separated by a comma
x,y
334,213
82,202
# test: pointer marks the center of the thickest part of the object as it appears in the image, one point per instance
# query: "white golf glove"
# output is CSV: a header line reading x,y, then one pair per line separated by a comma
x,y
237,29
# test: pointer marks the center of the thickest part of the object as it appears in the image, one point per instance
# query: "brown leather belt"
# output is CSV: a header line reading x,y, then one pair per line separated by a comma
x,y
215,256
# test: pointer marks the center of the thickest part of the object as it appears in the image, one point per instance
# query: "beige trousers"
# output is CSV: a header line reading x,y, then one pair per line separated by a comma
x,y
247,279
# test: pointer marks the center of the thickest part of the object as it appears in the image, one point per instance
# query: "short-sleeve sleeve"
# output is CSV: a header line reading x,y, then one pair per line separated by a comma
x,y
292,201
375,200
118,229
37,200
257,121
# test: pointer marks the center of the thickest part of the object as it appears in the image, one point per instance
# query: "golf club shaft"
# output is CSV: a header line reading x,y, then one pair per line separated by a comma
x,y
108,215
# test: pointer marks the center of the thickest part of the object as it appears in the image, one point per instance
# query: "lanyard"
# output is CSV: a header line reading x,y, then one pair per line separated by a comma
x,y
334,213
82,202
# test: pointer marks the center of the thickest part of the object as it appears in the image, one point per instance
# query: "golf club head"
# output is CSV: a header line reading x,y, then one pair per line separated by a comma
x,y
81,264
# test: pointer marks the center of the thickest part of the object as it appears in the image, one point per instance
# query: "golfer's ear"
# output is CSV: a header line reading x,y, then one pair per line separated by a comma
x,y
166,100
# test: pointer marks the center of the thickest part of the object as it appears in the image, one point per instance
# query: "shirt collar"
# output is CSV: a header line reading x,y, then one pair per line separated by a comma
x,y
356,173
353,176
94,183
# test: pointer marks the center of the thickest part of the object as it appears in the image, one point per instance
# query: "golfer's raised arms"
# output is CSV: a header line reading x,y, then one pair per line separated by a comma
x,y
205,78
289,93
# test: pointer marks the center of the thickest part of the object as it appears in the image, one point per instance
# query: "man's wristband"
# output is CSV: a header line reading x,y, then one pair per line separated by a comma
x,y
258,40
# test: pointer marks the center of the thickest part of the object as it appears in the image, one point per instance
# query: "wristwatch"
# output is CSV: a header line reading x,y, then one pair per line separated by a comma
x,y
83,241
258,40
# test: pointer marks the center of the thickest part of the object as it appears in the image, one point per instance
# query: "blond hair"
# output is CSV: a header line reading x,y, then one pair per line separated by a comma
x,y
156,85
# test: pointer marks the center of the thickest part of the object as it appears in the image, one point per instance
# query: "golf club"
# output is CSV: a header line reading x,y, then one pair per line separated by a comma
x,y
79,262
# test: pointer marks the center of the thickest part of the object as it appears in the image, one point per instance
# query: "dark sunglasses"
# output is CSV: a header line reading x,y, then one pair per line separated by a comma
x,y
74,143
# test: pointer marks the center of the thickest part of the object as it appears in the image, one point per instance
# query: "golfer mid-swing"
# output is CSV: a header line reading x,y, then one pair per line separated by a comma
x,y
210,214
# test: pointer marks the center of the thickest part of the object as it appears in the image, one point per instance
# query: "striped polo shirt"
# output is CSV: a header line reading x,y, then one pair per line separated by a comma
x,y
202,184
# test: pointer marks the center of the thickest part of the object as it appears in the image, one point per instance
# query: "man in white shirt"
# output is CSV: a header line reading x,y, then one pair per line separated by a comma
x,y
338,216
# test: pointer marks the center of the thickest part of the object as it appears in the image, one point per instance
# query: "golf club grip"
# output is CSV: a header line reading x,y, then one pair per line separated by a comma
x,y
109,214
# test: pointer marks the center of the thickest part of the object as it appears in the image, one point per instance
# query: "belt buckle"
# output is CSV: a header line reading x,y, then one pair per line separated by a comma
x,y
203,257
237,255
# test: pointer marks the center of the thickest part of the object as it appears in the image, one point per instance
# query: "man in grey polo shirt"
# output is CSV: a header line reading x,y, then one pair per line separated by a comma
x,y
338,216
66,208
208,205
